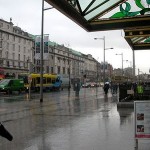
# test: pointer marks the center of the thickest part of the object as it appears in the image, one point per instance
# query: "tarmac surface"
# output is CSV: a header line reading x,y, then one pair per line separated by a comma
x,y
64,121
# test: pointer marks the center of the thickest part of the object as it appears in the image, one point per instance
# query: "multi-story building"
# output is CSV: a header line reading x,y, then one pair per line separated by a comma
x,y
91,68
68,62
16,47
60,60
20,53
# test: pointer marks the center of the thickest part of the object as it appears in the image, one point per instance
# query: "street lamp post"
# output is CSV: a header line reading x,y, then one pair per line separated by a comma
x,y
69,69
41,66
104,55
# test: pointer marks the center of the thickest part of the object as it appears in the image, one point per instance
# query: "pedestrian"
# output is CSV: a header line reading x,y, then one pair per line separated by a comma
x,y
106,87
115,88
140,90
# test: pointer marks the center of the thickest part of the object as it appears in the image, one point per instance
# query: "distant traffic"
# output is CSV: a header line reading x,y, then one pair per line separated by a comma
x,y
25,81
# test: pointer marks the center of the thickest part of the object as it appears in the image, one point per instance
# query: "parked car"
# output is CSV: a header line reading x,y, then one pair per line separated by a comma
x,y
86,85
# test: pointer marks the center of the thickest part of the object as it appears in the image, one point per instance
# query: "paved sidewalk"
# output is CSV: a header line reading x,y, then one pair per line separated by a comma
x,y
66,122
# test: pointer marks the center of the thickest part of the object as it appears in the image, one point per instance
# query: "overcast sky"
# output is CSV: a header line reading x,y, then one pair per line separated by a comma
x,y
27,15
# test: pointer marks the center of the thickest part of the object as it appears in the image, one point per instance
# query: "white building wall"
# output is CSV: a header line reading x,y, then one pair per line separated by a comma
x,y
16,50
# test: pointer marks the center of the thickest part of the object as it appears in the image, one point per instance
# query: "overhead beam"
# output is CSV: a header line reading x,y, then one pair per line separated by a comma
x,y
117,24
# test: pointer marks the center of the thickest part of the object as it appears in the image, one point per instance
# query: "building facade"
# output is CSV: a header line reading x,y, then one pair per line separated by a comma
x,y
20,53
16,49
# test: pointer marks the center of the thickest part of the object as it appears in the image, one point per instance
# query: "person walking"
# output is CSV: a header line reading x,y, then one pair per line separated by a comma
x,y
106,87
140,90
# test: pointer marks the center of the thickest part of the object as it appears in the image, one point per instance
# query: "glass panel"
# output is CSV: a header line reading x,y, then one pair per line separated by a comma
x,y
100,8
138,39
132,8
147,40
85,3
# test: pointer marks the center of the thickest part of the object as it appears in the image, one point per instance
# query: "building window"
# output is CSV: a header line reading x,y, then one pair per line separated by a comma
x,y
58,58
18,56
13,47
0,44
19,64
19,39
6,55
52,70
1,25
7,63
13,56
24,41
68,70
13,38
64,60
7,35
47,69
64,70
13,64
1,35
58,69
19,48
24,49
7,46
1,62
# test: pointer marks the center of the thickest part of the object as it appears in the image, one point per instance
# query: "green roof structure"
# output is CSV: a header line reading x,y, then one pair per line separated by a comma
x,y
132,16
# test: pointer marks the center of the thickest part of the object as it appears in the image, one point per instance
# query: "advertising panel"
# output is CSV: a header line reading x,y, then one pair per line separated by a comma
x,y
142,119
38,47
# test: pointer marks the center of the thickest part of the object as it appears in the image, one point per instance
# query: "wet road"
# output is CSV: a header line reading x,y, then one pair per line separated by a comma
x,y
68,122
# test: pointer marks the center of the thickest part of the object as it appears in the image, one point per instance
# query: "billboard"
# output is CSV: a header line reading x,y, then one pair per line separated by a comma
x,y
142,119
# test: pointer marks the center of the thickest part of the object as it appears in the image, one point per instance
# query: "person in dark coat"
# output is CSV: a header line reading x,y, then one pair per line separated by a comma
x,y
106,87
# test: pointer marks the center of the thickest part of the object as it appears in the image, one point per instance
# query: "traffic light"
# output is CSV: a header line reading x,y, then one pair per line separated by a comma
x,y
84,75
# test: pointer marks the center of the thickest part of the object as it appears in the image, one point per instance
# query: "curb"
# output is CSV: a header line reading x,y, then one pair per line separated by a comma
x,y
125,104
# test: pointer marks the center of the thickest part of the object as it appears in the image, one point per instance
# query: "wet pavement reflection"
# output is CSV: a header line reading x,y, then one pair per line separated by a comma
x,y
66,121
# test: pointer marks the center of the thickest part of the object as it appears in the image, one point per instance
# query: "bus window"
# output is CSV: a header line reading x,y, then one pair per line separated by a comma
x,y
58,79
38,80
53,81
44,80
48,80
25,78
